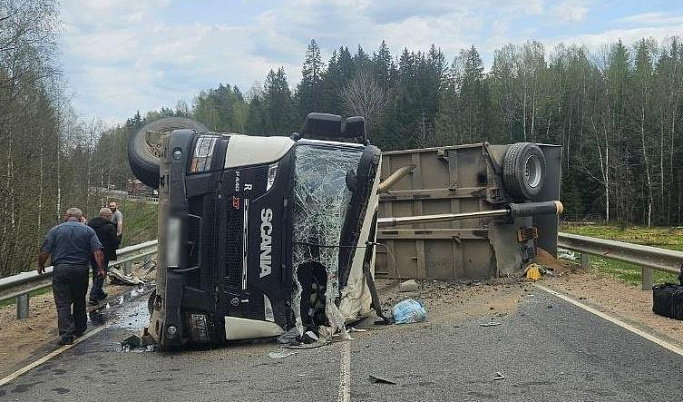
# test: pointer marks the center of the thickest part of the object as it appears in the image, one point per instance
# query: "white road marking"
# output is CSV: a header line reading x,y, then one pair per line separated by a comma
x,y
649,337
345,373
57,352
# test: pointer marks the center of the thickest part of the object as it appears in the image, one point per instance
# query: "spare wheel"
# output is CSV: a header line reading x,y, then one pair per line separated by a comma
x,y
145,146
524,170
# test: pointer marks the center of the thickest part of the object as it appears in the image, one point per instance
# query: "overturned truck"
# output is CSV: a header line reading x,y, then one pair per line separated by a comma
x,y
262,235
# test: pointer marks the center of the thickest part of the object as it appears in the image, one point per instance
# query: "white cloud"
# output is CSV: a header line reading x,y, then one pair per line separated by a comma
x,y
654,19
103,14
110,46
596,41
570,11
126,55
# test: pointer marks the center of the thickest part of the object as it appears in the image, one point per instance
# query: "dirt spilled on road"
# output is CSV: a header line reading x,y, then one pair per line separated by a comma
x,y
459,301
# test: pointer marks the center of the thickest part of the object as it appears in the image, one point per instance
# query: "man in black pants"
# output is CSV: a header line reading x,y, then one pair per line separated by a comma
x,y
106,233
70,244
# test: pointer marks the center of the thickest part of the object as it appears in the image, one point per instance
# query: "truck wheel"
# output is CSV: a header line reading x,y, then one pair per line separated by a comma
x,y
524,170
145,146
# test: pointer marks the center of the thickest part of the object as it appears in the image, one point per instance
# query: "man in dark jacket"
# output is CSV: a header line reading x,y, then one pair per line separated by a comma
x,y
106,232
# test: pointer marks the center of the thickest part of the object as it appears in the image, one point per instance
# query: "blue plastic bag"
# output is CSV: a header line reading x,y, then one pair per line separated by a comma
x,y
407,311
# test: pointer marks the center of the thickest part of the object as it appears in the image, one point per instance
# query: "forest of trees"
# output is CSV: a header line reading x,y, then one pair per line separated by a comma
x,y
49,157
617,111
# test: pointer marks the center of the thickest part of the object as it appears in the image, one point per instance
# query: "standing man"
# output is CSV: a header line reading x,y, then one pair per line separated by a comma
x,y
70,245
117,218
106,233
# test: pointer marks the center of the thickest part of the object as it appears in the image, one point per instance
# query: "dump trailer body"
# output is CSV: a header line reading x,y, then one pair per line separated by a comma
x,y
467,179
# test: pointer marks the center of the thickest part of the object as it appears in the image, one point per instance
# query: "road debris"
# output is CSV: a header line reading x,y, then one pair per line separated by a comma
x,y
409,311
116,277
135,341
143,343
566,254
289,336
498,376
533,272
410,285
379,380
281,354
490,324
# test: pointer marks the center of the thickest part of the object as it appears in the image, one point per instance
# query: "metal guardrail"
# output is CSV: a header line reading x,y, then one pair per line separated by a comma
x,y
649,258
126,257
148,200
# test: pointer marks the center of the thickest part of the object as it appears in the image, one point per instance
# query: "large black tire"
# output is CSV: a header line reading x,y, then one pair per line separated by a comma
x,y
524,170
145,146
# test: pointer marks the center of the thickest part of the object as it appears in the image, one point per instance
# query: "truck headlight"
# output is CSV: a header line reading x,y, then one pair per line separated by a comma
x,y
272,174
203,154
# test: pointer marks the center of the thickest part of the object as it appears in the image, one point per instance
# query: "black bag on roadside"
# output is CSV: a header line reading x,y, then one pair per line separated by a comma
x,y
667,300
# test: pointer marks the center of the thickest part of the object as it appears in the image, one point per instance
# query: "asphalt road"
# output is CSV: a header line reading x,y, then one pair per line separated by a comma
x,y
548,350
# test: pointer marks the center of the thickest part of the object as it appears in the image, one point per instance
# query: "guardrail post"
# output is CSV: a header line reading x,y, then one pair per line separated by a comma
x,y
128,267
22,306
585,261
648,280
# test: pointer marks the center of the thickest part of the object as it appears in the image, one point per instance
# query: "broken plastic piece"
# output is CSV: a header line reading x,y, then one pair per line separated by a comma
x,y
498,376
490,324
378,380
281,354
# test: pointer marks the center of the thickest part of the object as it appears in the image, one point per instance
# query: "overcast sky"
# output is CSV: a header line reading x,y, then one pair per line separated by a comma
x,y
120,56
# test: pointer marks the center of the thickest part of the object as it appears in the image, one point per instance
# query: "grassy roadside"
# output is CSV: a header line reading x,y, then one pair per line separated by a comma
x,y
139,222
668,238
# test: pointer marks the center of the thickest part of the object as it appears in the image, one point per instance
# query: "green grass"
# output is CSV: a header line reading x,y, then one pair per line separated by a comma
x,y
139,222
38,292
668,238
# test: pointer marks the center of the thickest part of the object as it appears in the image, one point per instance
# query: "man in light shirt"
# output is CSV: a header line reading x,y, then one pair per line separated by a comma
x,y
117,218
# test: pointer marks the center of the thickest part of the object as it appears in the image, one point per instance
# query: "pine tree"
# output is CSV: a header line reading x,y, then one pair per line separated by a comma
x,y
310,90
